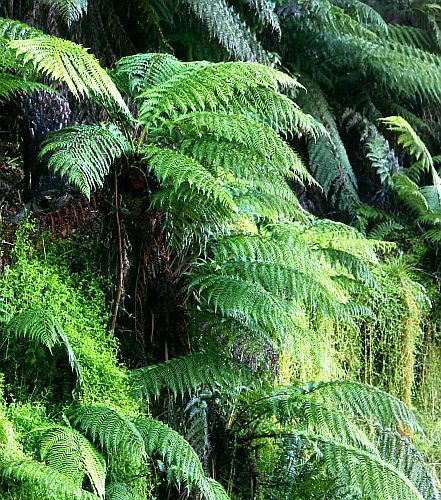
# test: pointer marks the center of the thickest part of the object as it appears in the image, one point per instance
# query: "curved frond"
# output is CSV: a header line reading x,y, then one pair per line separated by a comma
x,y
71,64
366,402
70,453
112,430
181,460
187,374
39,326
84,153
45,479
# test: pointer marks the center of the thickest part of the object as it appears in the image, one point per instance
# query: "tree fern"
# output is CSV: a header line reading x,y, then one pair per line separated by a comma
x,y
84,153
188,373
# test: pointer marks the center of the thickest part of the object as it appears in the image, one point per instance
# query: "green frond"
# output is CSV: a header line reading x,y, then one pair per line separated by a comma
x,y
328,158
365,15
381,158
15,30
138,72
409,139
257,138
120,491
224,24
375,477
169,165
382,230
84,153
70,10
399,452
410,193
237,298
9,84
44,479
210,86
186,374
39,325
289,406
366,402
265,12
109,428
71,64
181,460
71,454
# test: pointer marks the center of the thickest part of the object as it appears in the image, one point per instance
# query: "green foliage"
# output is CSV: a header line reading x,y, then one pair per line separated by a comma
x,y
84,154
332,428
70,453
70,10
187,374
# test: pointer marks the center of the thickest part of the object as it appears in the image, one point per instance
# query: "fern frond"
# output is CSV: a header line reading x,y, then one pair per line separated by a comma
x,y
265,12
187,374
15,30
327,154
71,64
367,402
112,430
120,491
138,72
180,458
375,477
39,326
169,165
409,139
9,84
399,452
42,478
225,24
256,137
410,193
84,153
70,10
71,454
291,407
209,86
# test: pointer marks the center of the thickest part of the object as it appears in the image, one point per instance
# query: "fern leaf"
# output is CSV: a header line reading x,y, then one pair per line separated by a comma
x,y
111,429
187,374
9,84
214,87
180,169
71,64
367,402
179,457
84,153
70,10
42,478
71,454
225,24
39,326
409,139
256,137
